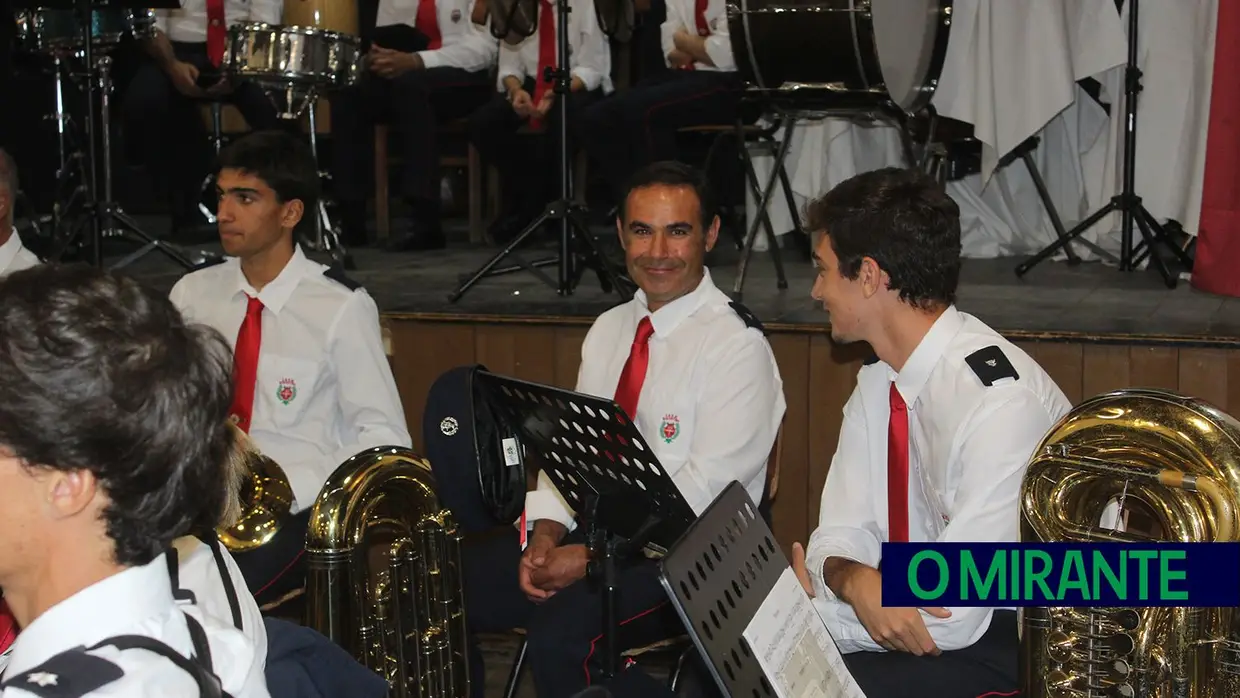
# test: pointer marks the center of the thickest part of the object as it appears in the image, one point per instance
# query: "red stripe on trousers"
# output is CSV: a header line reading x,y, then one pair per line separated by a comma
x,y
585,666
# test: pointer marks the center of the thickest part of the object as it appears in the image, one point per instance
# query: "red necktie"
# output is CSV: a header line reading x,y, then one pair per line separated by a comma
x,y
428,23
546,56
897,470
699,16
630,386
8,626
245,363
215,31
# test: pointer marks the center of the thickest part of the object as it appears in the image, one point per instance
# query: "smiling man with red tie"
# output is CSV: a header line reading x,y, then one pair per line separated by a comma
x,y
934,440
428,64
528,165
697,375
161,103
312,384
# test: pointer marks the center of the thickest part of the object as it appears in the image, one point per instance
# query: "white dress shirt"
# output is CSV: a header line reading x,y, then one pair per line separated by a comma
x,y
14,256
588,50
969,444
465,45
680,15
199,573
325,390
189,23
710,375
136,601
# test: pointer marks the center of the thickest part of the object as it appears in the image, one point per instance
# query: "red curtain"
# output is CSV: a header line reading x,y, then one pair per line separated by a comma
x,y
1216,267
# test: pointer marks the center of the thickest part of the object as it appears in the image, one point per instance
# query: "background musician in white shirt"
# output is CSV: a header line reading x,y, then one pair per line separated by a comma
x,y
638,126
14,256
161,104
113,436
934,441
314,386
428,64
709,401
528,164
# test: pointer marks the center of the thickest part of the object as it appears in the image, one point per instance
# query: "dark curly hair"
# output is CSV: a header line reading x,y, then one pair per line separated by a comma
x,y
102,374
903,220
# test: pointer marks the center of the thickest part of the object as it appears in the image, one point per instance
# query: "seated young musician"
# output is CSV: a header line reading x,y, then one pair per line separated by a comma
x,y
934,441
680,359
313,384
638,126
529,165
113,437
428,64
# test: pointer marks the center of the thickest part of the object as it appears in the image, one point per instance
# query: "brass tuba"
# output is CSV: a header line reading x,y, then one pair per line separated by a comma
x,y
1172,463
260,496
383,574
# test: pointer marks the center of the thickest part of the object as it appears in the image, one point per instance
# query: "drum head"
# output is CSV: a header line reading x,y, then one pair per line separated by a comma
x,y
911,37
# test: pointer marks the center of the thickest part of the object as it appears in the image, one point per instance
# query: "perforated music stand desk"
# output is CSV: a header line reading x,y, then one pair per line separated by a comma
x,y
726,560
603,467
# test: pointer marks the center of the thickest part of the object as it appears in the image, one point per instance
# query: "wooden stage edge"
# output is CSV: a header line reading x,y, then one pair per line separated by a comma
x,y
818,376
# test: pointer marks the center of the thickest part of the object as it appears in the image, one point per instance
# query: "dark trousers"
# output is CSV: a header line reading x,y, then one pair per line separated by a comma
x,y
279,567
637,127
414,103
168,129
563,633
992,664
528,165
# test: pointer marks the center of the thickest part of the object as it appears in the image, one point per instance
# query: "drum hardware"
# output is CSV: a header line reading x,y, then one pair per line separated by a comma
x,y
294,64
217,144
1127,202
578,249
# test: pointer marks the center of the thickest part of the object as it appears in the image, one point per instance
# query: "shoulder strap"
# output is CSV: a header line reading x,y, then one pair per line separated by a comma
x,y
208,683
174,575
234,604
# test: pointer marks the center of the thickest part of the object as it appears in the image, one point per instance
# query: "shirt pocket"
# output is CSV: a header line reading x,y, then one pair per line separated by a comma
x,y
285,387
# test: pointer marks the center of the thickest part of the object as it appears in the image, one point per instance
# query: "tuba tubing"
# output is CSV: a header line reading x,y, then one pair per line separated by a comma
x,y
1178,459
383,576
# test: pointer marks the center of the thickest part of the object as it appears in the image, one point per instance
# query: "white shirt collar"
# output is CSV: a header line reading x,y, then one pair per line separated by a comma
x,y
667,318
912,378
275,294
10,249
102,610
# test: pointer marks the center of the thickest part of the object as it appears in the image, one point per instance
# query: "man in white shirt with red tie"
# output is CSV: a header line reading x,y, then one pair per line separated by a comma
x,y
934,441
682,360
312,382
638,126
14,256
161,104
428,64
528,164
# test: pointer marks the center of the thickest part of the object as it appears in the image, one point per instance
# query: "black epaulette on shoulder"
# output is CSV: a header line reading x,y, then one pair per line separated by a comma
x,y
213,261
337,274
990,364
747,316
870,360
67,675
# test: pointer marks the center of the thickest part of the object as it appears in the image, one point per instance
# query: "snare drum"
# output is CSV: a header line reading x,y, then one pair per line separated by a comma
x,y
844,54
47,30
293,56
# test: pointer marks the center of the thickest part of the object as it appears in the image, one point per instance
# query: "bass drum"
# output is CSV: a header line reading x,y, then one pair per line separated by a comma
x,y
843,54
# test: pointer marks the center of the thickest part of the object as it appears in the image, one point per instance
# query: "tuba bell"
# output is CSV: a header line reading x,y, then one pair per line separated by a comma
x,y
383,574
260,496
1170,464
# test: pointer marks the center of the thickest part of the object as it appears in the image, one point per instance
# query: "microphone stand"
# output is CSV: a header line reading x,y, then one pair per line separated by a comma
x,y
570,215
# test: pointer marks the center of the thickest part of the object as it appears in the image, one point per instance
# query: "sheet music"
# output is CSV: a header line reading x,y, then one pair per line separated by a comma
x,y
794,648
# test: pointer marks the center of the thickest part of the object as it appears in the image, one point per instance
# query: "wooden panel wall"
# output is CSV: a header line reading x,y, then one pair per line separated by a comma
x,y
818,378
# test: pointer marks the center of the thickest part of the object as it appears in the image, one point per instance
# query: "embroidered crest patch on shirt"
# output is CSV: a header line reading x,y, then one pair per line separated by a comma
x,y
670,428
286,391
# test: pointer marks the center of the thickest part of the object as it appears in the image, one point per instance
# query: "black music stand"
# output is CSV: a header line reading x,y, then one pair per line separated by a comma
x,y
573,223
604,469
1127,202
717,576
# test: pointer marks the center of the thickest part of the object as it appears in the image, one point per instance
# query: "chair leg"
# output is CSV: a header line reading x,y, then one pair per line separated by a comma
x,y
514,675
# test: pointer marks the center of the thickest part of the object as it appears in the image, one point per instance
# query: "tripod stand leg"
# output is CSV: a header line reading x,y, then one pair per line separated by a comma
x,y
608,279
1076,232
1165,238
173,252
512,245
763,218
1151,241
